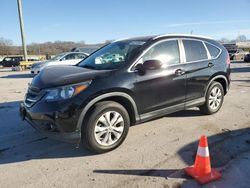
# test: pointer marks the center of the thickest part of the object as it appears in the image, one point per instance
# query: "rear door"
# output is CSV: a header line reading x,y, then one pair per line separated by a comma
x,y
198,68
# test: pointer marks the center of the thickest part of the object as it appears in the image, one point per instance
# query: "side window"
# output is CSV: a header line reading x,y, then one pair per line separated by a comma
x,y
70,56
194,50
214,51
80,56
167,52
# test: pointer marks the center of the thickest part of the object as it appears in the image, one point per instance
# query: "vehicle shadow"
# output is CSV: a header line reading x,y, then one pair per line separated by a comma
x,y
240,69
20,142
237,61
164,173
15,76
240,80
223,147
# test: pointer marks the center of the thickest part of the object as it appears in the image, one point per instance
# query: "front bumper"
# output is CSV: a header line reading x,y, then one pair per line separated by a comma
x,y
47,126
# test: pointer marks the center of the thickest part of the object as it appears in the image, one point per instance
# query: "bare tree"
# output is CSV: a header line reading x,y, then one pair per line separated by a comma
x,y
224,40
5,46
47,48
241,38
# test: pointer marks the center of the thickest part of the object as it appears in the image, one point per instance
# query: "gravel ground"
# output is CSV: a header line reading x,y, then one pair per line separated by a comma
x,y
153,154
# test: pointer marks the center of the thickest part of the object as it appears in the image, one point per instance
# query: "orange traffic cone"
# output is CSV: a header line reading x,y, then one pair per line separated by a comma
x,y
201,171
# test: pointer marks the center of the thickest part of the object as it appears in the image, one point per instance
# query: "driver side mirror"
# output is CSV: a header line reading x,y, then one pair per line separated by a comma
x,y
148,65
152,64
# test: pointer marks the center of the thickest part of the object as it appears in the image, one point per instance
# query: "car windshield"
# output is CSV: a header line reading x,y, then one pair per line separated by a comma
x,y
12,58
112,56
57,57
7,59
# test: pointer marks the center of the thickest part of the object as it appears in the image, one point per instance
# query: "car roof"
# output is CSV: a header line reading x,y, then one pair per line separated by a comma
x,y
11,56
143,38
182,35
155,37
66,53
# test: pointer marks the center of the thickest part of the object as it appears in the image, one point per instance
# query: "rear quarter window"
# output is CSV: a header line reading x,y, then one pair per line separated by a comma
x,y
194,50
213,50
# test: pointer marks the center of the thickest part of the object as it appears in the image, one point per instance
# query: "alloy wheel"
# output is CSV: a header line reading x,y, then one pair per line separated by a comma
x,y
215,98
109,128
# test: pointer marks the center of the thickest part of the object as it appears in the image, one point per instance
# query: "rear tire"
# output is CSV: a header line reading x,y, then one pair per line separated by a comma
x,y
106,126
214,99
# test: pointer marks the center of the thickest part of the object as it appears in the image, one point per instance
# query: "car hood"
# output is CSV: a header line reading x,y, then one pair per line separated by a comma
x,y
54,76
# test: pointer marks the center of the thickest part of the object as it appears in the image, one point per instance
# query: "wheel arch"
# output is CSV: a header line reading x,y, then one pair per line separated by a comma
x,y
222,79
122,98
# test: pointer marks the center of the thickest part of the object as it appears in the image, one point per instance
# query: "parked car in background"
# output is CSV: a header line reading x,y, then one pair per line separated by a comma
x,y
247,58
231,48
68,58
10,61
231,54
125,83
85,50
239,55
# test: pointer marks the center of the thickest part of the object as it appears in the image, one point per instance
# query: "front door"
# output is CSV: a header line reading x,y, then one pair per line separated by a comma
x,y
165,87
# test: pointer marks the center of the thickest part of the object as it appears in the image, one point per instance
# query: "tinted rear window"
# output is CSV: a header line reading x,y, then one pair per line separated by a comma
x,y
214,51
195,50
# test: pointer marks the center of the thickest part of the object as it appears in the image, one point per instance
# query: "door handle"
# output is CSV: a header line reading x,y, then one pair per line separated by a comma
x,y
180,72
210,65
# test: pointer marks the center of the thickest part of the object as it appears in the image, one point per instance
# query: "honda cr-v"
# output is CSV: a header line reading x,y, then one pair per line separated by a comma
x,y
124,83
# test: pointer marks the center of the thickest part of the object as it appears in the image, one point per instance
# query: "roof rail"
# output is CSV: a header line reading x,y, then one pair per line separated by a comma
x,y
182,35
121,39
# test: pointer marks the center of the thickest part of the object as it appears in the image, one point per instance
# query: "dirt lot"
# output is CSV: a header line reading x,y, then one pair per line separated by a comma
x,y
153,155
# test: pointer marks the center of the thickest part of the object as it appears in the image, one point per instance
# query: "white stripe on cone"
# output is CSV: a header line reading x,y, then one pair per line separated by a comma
x,y
203,151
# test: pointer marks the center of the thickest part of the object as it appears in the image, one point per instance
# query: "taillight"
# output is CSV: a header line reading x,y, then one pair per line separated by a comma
x,y
228,59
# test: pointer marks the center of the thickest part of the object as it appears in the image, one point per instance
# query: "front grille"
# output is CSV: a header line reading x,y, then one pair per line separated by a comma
x,y
33,95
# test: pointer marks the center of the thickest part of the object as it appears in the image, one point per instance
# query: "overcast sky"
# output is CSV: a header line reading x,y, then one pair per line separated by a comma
x,y
95,21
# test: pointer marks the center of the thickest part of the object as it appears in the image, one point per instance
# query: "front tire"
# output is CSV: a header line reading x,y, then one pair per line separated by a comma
x,y
214,99
106,126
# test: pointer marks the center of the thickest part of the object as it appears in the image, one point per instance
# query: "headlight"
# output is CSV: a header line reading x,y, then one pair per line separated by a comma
x,y
66,92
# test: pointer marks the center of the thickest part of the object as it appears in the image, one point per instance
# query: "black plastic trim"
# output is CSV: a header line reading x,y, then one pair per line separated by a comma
x,y
73,137
101,97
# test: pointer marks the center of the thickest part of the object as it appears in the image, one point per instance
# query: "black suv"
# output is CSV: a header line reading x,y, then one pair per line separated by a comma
x,y
11,61
125,83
